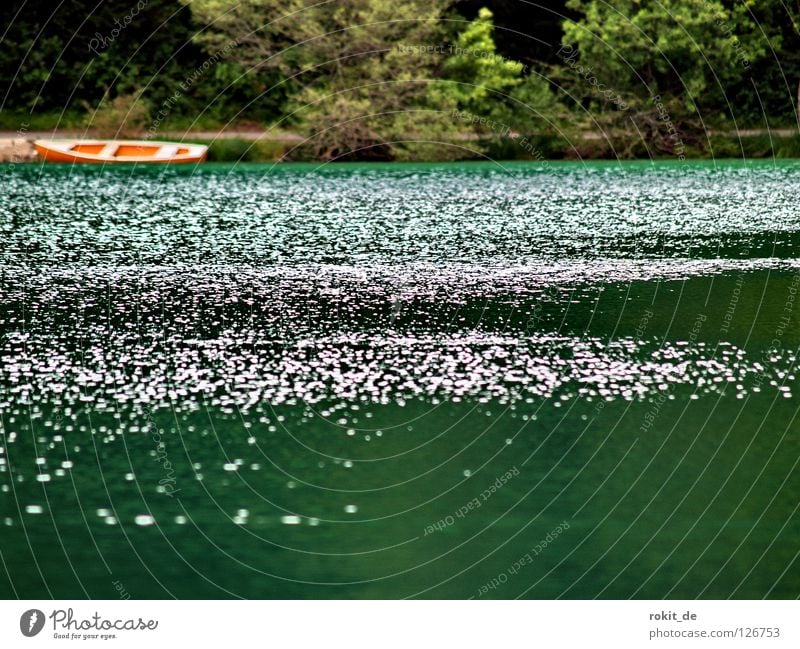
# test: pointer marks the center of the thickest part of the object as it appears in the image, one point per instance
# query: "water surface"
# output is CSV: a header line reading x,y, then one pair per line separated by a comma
x,y
383,381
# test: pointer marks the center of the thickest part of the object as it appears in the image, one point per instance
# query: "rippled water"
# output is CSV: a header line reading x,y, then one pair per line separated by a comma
x,y
463,380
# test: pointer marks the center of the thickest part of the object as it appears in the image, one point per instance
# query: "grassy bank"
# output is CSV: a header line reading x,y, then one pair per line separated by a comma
x,y
256,146
245,150
760,145
248,141
596,147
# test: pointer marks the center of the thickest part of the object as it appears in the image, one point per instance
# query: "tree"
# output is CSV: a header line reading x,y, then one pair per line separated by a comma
x,y
63,56
477,76
477,79
770,91
671,60
357,70
529,32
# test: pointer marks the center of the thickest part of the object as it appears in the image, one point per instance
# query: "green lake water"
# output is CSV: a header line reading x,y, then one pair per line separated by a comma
x,y
388,381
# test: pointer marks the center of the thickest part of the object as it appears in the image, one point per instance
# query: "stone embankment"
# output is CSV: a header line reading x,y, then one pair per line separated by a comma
x,y
17,149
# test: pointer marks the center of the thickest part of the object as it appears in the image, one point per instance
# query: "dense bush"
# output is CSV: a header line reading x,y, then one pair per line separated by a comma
x,y
374,79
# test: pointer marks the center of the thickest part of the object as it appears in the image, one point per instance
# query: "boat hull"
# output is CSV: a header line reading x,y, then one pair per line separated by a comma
x,y
120,152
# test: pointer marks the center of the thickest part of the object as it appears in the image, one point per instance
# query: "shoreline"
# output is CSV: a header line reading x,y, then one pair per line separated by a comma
x,y
261,146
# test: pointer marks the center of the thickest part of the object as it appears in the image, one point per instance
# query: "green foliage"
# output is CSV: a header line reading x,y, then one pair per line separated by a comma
x,y
534,107
540,147
754,146
13,120
478,78
682,50
242,150
354,90
122,116
674,67
60,57
378,79
766,92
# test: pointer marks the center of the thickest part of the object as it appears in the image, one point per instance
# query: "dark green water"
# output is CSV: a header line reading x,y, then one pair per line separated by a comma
x,y
443,381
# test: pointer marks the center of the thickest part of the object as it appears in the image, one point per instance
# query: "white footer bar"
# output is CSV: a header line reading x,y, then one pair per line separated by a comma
x,y
401,625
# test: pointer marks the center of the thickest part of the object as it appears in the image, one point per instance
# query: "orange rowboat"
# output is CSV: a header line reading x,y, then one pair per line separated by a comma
x,y
119,151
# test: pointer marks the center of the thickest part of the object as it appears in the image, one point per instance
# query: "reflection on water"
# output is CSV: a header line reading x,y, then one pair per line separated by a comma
x,y
400,381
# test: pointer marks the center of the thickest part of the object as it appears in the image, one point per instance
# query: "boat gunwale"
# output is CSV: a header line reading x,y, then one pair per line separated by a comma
x,y
63,147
